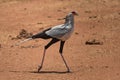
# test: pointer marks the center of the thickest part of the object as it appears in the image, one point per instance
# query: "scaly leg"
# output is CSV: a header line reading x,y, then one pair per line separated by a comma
x,y
61,51
46,47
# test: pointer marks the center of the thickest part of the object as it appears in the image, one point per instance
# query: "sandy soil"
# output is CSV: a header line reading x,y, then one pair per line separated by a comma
x,y
98,19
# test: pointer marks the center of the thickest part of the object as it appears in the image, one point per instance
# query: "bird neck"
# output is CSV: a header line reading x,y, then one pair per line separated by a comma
x,y
70,21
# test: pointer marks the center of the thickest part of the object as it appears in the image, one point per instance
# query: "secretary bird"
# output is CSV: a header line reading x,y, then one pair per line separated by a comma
x,y
57,33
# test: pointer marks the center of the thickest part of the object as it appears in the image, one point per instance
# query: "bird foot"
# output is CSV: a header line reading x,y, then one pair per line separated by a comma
x,y
68,71
40,67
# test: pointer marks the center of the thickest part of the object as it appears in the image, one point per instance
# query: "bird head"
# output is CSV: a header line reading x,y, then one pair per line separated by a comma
x,y
74,13
70,15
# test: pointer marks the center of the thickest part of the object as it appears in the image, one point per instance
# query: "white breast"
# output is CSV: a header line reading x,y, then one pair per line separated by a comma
x,y
67,35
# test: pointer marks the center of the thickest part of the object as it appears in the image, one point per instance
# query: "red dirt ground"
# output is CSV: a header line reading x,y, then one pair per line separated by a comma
x,y
98,19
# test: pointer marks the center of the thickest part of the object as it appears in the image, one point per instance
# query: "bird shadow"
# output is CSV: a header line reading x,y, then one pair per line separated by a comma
x,y
45,72
42,72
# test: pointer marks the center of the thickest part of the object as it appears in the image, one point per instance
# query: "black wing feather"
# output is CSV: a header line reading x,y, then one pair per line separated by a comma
x,y
42,35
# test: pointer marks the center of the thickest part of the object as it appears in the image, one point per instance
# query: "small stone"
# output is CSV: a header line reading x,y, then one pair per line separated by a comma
x,y
93,42
93,17
39,23
10,36
106,66
49,17
76,33
87,11
59,10
117,74
91,67
11,46
25,8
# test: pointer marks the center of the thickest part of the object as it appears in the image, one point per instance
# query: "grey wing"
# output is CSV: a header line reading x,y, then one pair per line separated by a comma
x,y
57,31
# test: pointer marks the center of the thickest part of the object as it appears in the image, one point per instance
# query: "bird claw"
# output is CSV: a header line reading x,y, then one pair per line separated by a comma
x,y
68,71
40,67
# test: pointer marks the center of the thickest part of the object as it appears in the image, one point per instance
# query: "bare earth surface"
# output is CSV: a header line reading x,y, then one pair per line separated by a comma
x,y
98,20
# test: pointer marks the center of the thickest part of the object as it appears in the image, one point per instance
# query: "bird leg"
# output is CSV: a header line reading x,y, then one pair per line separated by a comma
x,y
61,51
61,46
68,70
40,67
46,47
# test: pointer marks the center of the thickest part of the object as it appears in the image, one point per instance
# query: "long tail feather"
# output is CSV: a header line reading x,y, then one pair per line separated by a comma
x,y
17,44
